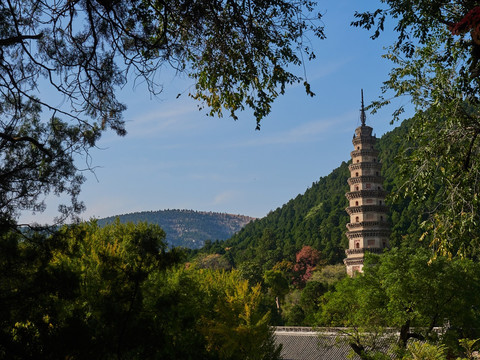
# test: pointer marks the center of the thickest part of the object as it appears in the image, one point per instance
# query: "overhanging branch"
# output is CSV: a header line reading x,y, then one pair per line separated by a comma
x,y
15,139
19,39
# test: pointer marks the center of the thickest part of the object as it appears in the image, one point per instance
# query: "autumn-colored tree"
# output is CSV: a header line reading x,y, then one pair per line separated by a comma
x,y
307,260
237,328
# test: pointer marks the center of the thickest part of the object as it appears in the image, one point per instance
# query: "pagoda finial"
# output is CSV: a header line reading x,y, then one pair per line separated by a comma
x,y
362,112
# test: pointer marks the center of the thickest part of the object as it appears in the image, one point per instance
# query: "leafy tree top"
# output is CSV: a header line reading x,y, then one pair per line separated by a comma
x,y
236,52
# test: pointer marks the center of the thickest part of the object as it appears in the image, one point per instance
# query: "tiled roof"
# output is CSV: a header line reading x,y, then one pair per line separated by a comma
x,y
305,344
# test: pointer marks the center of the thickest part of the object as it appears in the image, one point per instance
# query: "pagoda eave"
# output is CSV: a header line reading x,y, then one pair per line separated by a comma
x,y
366,208
368,233
365,179
365,193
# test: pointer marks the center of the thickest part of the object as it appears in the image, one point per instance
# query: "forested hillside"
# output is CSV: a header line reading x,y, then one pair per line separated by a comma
x,y
187,228
318,218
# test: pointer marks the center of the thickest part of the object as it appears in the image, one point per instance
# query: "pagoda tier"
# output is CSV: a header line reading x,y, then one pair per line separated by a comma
x,y
365,141
365,194
365,166
368,233
368,224
374,179
363,152
368,229
376,209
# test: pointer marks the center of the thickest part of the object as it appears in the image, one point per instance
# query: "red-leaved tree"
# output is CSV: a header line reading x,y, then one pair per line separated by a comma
x,y
306,261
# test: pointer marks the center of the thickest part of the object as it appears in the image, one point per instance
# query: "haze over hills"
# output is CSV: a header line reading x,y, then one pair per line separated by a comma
x,y
187,228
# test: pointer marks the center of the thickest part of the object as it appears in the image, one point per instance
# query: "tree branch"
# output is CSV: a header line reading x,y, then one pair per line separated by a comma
x,y
19,39
15,139
467,164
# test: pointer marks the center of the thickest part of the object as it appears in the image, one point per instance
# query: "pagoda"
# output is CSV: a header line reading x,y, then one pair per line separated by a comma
x,y
368,229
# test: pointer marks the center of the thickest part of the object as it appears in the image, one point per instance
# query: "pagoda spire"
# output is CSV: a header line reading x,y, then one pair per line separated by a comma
x,y
362,112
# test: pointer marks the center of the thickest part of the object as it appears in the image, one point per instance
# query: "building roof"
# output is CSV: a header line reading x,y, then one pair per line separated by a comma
x,y
302,343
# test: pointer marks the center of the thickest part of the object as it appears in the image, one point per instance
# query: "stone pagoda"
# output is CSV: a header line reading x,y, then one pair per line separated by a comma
x,y
368,229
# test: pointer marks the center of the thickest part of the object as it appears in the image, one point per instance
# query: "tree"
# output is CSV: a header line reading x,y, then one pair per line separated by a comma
x,y
236,52
237,328
80,292
212,261
268,252
278,285
118,293
437,66
402,290
329,275
306,261
310,300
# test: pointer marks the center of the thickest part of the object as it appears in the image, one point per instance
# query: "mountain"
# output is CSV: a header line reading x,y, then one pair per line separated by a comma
x,y
318,218
187,228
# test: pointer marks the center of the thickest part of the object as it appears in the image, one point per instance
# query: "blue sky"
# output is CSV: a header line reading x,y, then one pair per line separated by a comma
x,y
176,157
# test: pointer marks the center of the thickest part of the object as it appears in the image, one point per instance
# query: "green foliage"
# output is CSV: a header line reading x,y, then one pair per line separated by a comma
x,y
310,300
443,166
295,316
417,350
37,159
115,293
238,329
469,346
277,284
405,291
300,307
78,292
212,261
437,66
318,218
251,271
292,312
329,275
245,51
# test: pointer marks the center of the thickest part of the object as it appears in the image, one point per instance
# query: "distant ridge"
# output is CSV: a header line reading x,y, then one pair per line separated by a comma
x,y
187,228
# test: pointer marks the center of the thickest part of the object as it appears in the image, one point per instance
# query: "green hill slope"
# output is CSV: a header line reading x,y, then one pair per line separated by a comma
x,y
318,218
187,228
